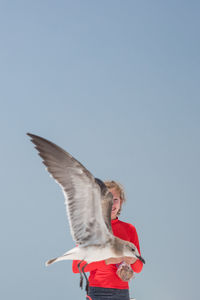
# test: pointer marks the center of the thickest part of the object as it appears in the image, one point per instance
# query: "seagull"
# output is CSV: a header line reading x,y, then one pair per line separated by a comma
x,y
88,206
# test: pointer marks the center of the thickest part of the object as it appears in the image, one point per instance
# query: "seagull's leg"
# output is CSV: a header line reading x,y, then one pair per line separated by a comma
x,y
80,271
87,282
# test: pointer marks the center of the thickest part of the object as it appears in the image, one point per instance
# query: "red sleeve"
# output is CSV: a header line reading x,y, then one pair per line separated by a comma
x,y
138,265
90,267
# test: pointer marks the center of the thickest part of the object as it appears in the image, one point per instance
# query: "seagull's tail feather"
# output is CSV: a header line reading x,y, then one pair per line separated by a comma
x,y
71,254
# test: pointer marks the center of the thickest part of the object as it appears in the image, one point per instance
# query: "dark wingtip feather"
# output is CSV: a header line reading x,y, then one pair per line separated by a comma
x,y
32,135
49,262
29,134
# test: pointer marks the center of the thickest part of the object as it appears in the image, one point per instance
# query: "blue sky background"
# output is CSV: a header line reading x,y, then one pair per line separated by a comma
x,y
116,84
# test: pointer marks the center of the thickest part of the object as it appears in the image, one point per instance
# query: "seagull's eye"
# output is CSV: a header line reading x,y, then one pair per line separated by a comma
x,y
133,249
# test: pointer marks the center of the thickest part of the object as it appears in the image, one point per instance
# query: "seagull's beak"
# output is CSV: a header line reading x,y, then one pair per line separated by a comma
x,y
141,259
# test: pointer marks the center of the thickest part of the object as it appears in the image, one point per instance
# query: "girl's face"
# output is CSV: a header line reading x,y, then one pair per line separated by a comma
x,y
116,203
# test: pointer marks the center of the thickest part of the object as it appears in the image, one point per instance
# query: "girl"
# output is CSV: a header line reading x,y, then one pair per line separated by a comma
x,y
104,280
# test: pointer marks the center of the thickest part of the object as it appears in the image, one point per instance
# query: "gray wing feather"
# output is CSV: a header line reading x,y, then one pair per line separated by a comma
x,y
82,194
106,203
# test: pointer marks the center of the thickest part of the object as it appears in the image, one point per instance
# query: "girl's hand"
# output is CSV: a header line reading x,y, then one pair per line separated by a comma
x,y
125,272
118,260
129,260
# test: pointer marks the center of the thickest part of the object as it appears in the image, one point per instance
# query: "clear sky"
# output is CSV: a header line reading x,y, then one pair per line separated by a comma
x,y
116,84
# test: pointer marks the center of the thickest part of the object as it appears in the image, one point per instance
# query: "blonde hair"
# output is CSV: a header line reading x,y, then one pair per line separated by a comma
x,y
119,188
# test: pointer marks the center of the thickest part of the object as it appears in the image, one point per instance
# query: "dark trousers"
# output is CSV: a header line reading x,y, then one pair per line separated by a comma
x,y
98,293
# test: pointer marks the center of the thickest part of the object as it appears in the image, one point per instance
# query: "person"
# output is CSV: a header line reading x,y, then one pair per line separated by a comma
x,y
104,280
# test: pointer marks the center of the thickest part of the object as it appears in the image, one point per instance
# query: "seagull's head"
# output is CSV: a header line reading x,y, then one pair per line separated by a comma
x,y
132,251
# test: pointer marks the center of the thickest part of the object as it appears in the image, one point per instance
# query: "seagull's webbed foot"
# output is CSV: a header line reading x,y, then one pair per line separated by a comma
x,y
87,282
81,281
81,275
87,286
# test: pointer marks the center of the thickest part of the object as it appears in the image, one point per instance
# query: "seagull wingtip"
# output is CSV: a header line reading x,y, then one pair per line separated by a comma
x,y
29,134
50,261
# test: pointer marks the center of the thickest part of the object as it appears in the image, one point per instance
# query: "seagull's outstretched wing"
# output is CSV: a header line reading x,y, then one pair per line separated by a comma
x,y
82,193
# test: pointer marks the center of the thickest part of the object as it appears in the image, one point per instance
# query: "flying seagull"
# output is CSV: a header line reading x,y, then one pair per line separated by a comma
x,y
88,204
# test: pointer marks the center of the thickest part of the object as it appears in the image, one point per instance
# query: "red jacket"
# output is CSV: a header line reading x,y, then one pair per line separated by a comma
x,y
102,275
